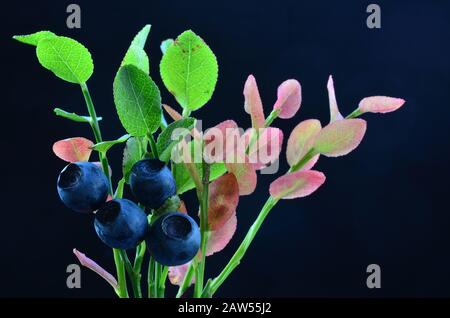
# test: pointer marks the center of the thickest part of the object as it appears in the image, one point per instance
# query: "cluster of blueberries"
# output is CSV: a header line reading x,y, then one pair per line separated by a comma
x,y
173,238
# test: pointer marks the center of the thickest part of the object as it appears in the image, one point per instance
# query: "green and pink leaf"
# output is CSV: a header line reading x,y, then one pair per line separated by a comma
x,y
73,149
296,184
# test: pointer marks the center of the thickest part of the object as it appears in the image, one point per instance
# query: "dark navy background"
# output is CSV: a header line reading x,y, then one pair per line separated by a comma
x,y
385,203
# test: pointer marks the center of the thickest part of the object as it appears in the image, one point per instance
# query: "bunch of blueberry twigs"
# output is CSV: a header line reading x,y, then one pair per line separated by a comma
x,y
160,162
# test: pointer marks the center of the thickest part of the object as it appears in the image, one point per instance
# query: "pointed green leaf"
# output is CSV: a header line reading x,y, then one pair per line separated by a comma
x,y
140,38
131,154
66,58
189,70
138,101
34,38
165,45
172,135
72,116
136,55
104,146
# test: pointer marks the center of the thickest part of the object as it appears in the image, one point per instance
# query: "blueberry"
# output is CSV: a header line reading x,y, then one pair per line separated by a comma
x,y
82,186
173,239
120,223
152,183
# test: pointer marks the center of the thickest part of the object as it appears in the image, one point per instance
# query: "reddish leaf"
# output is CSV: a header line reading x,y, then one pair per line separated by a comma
x,y
340,137
253,104
301,141
380,104
297,184
289,98
182,207
73,149
334,110
87,262
177,274
172,112
245,174
220,238
223,200
221,139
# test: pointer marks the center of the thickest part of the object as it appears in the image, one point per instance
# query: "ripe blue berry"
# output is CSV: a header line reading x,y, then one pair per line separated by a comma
x,y
173,239
82,186
120,223
152,183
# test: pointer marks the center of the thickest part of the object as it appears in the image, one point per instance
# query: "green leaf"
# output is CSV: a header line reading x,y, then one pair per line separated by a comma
x,y
74,117
183,178
138,101
189,70
66,58
131,154
165,141
104,146
165,45
140,38
34,38
136,55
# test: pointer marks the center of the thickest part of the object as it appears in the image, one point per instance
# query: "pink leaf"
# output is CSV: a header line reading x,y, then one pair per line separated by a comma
x,y
172,112
223,200
87,262
301,141
177,274
380,104
289,98
245,174
266,149
340,137
334,110
297,184
220,238
221,139
73,149
253,104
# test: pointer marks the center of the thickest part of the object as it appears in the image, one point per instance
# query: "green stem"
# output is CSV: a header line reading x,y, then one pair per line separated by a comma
x,y
236,259
156,279
150,278
122,281
272,116
153,145
122,288
162,281
354,114
203,198
97,133
186,281
132,274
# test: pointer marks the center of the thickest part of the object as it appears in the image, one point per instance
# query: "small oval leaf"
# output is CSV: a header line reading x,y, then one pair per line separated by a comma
x,y
289,98
73,149
253,105
301,140
189,70
223,200
380,104
297,184
104,146
138,101
220,238
172,135
245,174
340,137
66,58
